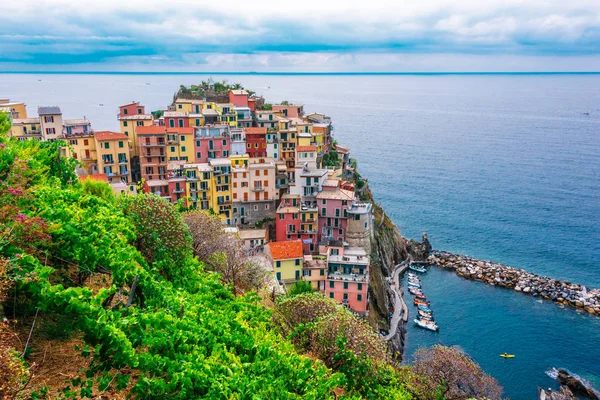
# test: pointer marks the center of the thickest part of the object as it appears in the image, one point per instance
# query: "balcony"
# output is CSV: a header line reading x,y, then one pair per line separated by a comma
x,y
108,162
123,161
221,202
308,232
258,189
154,144
180,190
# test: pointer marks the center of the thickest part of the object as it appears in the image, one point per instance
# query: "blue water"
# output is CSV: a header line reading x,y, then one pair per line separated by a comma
x,y
500,167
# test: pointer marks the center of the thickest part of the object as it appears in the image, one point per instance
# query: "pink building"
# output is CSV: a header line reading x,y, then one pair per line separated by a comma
x,y
176,119
348,276
212,142
131,109
238,98
333,204
290,111
297,220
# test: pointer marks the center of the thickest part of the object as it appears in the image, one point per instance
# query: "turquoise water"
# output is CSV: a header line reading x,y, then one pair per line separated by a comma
x,y
500,167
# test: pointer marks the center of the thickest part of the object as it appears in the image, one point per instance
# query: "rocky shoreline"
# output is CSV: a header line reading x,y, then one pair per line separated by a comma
x,y
561,292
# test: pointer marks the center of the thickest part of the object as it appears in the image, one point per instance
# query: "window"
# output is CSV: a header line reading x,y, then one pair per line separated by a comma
x,y
120,144
224,142
278,264
125,122
125,112
345,296
180,121
172,123
266,206
345,285
360,286
198,155
279,276
359,297
323,211
140,123
281,216
85,142
73,142
182,138
126,133
106,145
49,119
183,148
256,207
331,295
332,284
324,202
180,106
248,145
340,231
297,261
139,110
322,272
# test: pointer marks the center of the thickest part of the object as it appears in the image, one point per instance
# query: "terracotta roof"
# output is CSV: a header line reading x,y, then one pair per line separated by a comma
x,y
107,135
130,104
286,250
256,130
150,129
94,177
306,148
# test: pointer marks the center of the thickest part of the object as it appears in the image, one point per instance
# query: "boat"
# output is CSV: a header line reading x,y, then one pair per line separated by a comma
x,y
426,325
424,308
414,285
414,291
425,318
414,276
505,355
416,302
418,269
414,282
426,314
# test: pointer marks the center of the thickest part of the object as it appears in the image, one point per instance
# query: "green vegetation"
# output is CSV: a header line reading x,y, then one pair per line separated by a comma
x,y
208,90
265,107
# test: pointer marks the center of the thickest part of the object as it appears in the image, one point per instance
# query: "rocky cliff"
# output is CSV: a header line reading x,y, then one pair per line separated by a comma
x,y
388,248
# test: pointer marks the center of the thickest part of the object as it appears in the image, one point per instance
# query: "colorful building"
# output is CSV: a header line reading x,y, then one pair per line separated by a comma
x,y
297,220
180,144
153,163
113,155
211,142
287,258
26,128
51,122
289,110
131,116
254,191
221,188
238,141
14,109
238,98
256,142
348,277
333,204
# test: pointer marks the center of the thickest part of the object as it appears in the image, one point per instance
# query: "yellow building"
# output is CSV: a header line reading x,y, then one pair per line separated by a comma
x,y
287,258
228,114
14,109
113,155
129,125
26,128
84,150
188,105
180,144
221,188
199,185
239,160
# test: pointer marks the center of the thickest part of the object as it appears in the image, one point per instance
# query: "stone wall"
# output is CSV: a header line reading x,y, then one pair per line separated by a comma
x,y
561,292
254,211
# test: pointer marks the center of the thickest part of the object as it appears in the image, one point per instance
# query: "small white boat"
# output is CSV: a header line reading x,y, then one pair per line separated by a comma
x,y
418,268
430,325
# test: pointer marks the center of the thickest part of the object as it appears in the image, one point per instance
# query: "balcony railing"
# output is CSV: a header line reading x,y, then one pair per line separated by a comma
x,y
258,189
180,190
123,161
109,162
153,144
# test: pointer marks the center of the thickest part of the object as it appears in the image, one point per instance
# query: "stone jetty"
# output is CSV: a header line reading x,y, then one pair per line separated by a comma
x,y
561,292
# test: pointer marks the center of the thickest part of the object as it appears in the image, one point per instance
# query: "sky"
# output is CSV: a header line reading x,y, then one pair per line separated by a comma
x,y
294,36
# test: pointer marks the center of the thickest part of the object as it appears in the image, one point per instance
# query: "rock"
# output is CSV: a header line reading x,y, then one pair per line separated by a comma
x,y
527,290
563,394
576,385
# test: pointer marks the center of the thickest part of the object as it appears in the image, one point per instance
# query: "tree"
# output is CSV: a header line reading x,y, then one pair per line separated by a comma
x,y
285,103
162,236
455,374
222,252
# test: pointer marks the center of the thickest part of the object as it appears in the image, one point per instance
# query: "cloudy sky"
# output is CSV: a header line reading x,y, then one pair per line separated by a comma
x,y
307,35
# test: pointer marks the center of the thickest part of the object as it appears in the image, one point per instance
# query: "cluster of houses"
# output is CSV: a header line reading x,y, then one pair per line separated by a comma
x,y
246,163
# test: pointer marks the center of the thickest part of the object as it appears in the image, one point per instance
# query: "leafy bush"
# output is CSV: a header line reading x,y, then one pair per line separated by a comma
x,y
455,374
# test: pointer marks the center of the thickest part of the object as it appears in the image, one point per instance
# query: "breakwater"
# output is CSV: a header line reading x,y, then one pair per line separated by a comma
x,y
495,274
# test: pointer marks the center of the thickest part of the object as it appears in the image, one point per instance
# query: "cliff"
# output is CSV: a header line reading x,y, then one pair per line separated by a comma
x,y
388,249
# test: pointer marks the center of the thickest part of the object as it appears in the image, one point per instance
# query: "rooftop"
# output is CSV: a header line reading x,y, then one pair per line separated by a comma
x,y
76,122
286,250
201,167
49,110
246,234
157,182
152,129
220,162
108,135
26,121
339,194
256,130
306,148
173,114
239,92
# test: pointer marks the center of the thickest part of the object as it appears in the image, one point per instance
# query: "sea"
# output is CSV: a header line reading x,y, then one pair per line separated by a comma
x,y
502,167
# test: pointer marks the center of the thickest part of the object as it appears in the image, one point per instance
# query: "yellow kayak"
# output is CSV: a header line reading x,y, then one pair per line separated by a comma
x,y
507,355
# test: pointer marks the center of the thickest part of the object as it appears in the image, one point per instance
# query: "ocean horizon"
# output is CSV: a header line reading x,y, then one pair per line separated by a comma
x,y
307,73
